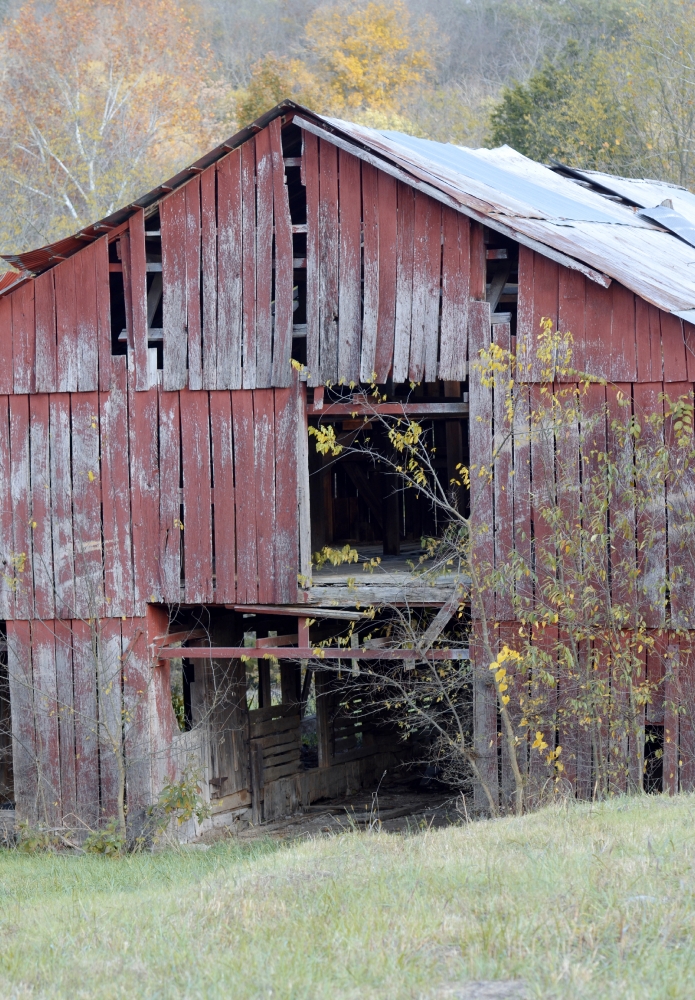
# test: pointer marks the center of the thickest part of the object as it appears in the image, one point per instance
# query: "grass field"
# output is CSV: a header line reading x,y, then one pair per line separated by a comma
x,y
578,902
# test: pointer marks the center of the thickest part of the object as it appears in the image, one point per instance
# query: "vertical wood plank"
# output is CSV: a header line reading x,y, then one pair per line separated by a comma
x,y
138,285
138,750
671,715
524,314
433,292
86,505
43,660
388,260
484,715
208,203
244,471
21,684
87,331
264,258
623,360
310,161
503,484
197,534
170,522
61,506
571,312
193,317
680,503
686,678
66,326
642,345
264,478
41,534
546,286
21,506
455,294
45,305
223,480
655,346
651,520
6,537
404,282
115,495
426,283
84,669
598,343
286,539
6,370
248,264
522,488
144,498
480,443
689,338
172,213
370,257
282,334
110,708
329,249
673,347
350,291
622,511
24,338
66,720
101,271
229,271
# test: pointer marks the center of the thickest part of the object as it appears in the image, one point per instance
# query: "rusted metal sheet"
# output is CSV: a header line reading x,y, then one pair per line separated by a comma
x,y
173,222
197,510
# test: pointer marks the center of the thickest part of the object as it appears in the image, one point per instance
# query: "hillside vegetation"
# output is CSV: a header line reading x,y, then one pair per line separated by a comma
x,y
579,901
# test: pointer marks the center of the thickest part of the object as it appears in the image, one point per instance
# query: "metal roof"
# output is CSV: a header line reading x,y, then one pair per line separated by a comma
x,y
584,219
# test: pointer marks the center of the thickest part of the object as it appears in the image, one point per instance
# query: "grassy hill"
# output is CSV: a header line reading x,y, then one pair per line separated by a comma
x,y
579,902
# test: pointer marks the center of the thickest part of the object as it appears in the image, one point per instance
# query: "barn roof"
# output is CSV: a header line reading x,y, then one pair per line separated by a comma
x,y
638,232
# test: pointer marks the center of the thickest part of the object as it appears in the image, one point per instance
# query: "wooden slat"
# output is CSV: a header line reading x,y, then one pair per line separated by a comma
x,y
388,259
484,715
162,723
208,202
671,714
503,485
542,487
257,715
524,313
522,489
43,660
6,537
286,541
680,500
144,481
66,719
622,510
197,535
193,317
229,271
310,161
404,282
651,524
223,478
115,495
169,503
244,472
264,259
264,478
282,334
66,323
21,506
686,677
571,312
41,535
426,282
370,237
689,338
248,263
173,227
84,661
86,505
598,342
642,345
350,292
101,271
281,771
655,346
61,506
138,285
455,294
6,371
480,434
45,305
87,320
673,348
257,729
137,745
24,338
329,251
21,684
110,708
546,283
623,360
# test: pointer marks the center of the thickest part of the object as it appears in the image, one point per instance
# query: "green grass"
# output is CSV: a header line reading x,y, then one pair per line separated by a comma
x,y
580,902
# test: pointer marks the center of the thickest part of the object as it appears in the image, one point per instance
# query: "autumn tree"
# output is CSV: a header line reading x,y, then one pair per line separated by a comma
x,y
98,103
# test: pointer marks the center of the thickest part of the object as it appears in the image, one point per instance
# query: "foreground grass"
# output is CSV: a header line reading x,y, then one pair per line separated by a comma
x,y
580,902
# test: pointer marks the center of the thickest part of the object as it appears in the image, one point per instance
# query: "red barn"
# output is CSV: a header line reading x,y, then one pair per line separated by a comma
x,y
154,460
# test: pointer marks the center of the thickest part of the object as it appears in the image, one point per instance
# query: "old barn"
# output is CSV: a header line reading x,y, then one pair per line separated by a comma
x,y
158,486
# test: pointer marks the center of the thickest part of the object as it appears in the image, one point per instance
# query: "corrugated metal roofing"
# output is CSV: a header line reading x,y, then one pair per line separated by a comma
x,y
576,223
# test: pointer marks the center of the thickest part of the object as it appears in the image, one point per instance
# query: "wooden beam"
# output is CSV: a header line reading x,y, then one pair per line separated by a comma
x,y
307,653
353,410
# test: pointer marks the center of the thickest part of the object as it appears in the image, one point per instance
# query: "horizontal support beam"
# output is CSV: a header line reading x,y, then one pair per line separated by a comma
x,y
388,409
304,653
299,611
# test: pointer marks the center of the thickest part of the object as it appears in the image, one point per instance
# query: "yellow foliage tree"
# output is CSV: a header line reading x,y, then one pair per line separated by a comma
x,y
98,103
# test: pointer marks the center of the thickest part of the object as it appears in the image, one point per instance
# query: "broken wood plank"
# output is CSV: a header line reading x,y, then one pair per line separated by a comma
x,y
282,332
173,215
264,259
